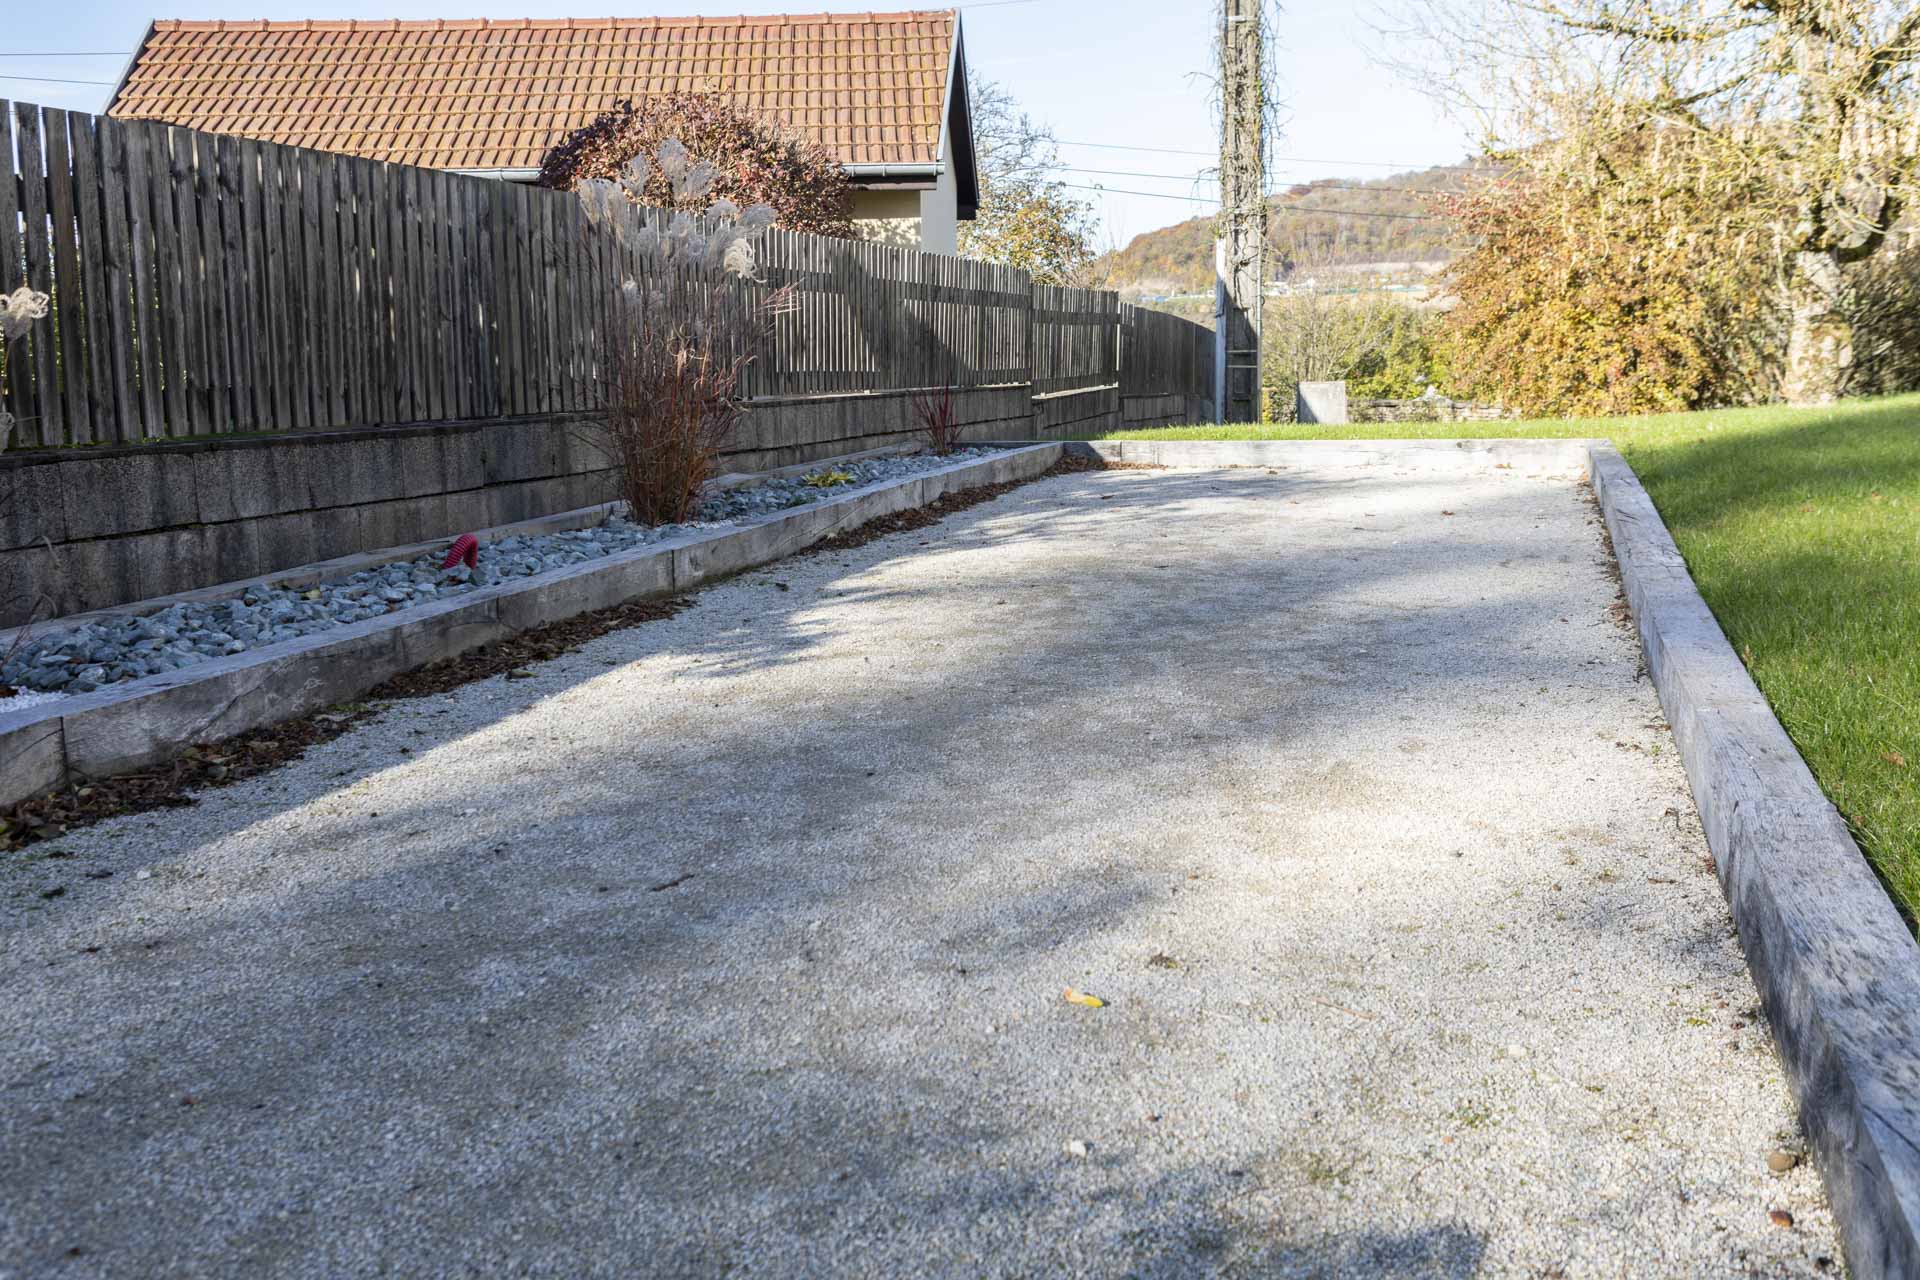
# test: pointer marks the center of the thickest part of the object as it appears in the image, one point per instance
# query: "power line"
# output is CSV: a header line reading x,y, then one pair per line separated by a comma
x,y
1122,191
1285,208
51,80
1175,151
1204,176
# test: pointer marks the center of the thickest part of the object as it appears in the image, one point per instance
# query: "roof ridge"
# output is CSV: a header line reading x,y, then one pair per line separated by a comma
x,y
495,94
468,24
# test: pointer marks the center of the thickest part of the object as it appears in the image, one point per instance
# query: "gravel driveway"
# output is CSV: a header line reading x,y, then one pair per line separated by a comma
x,y
735,944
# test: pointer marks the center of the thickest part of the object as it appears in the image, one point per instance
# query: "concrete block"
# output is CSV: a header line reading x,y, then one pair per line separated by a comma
x,y
335,532
517,451
579,446
704,557
130,493
244,482
33,506
233,551
419,465
124,728
1320,402
509,504
353,473
587,587
463,512
463,459
446,630
33,755
154,564
40,582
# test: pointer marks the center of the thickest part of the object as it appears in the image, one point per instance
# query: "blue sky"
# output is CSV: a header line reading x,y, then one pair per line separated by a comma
x,y
1120,73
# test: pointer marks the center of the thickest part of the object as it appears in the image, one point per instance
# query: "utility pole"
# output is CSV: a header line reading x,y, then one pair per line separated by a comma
x,y
1239,283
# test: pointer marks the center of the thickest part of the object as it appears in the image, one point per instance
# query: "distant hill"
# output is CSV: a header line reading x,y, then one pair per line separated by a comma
x,y
1179,259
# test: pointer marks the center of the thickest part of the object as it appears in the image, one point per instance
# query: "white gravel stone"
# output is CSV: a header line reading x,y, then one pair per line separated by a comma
x,y
27,698
1130,746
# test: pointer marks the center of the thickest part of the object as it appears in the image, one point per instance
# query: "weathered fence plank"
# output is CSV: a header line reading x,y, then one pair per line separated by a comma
x,y
42,361
90,233
63,225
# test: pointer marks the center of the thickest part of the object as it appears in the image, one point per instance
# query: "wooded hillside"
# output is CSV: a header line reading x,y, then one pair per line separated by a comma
x,y
1179,259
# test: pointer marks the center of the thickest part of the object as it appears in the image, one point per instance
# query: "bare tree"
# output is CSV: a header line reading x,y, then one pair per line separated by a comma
x,y
1006,140
1820,99
1027,217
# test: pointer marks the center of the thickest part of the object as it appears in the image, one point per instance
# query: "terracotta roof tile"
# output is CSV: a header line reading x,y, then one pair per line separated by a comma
x,y
480,94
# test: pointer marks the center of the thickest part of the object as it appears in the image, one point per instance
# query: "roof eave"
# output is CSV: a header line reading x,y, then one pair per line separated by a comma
x,y
126,72
967,175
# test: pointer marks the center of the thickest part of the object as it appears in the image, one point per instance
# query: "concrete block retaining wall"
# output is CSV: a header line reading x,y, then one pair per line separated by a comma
x,y
90,529
1076,413
1158,411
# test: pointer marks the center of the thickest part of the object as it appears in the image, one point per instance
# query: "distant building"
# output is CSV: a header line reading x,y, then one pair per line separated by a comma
x,y
886,92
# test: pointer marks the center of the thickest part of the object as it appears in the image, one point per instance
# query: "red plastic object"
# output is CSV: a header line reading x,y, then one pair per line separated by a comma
x,y
465,547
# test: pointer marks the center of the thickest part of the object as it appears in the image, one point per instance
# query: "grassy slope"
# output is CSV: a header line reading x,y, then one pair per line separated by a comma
x,y
1802,529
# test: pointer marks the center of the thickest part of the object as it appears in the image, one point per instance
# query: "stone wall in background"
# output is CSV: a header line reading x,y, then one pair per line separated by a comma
x,y
1428,409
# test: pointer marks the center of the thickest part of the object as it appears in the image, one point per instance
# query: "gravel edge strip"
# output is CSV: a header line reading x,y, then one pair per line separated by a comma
x,y
211,766
1837,969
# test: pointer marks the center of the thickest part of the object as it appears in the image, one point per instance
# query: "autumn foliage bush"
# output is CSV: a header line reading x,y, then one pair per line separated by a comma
x,y
1619,298
754,161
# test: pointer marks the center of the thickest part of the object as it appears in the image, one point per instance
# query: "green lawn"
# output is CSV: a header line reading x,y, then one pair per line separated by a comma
x,y
1802,528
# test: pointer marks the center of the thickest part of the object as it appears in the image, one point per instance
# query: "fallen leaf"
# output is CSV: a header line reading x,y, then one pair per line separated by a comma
x,y
1161,960
1780,1218
1894,758
1446,513
1082,998
520,673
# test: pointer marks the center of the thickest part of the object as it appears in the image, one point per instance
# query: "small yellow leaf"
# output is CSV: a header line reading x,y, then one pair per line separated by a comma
x,y
1082,998
1894,758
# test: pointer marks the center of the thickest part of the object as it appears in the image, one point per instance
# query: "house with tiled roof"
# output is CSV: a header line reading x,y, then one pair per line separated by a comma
x,y
886,92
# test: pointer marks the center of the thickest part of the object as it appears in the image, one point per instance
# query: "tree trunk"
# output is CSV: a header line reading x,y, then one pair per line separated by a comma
x,y
1820,341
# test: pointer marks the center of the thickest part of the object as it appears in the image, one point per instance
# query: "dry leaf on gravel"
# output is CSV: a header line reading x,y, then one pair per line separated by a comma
x,y
1072,996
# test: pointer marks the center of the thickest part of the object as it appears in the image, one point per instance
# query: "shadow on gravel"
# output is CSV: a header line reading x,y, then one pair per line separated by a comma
x,y
513,1037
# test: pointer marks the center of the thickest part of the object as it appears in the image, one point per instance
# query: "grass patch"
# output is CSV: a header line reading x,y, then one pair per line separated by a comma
x,y
1802,529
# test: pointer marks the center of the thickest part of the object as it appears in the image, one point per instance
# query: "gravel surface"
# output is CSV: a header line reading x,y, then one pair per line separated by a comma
x,y
127,647
736,943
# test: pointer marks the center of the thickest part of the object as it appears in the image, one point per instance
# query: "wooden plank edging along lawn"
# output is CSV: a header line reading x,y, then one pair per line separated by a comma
x,y
1837,968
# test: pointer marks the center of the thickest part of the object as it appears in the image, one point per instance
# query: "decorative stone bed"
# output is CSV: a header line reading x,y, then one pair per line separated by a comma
x,y
135,642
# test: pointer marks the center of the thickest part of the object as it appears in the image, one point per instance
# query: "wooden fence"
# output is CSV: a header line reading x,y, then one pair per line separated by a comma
x,y
1075,339
205,284
1162,354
